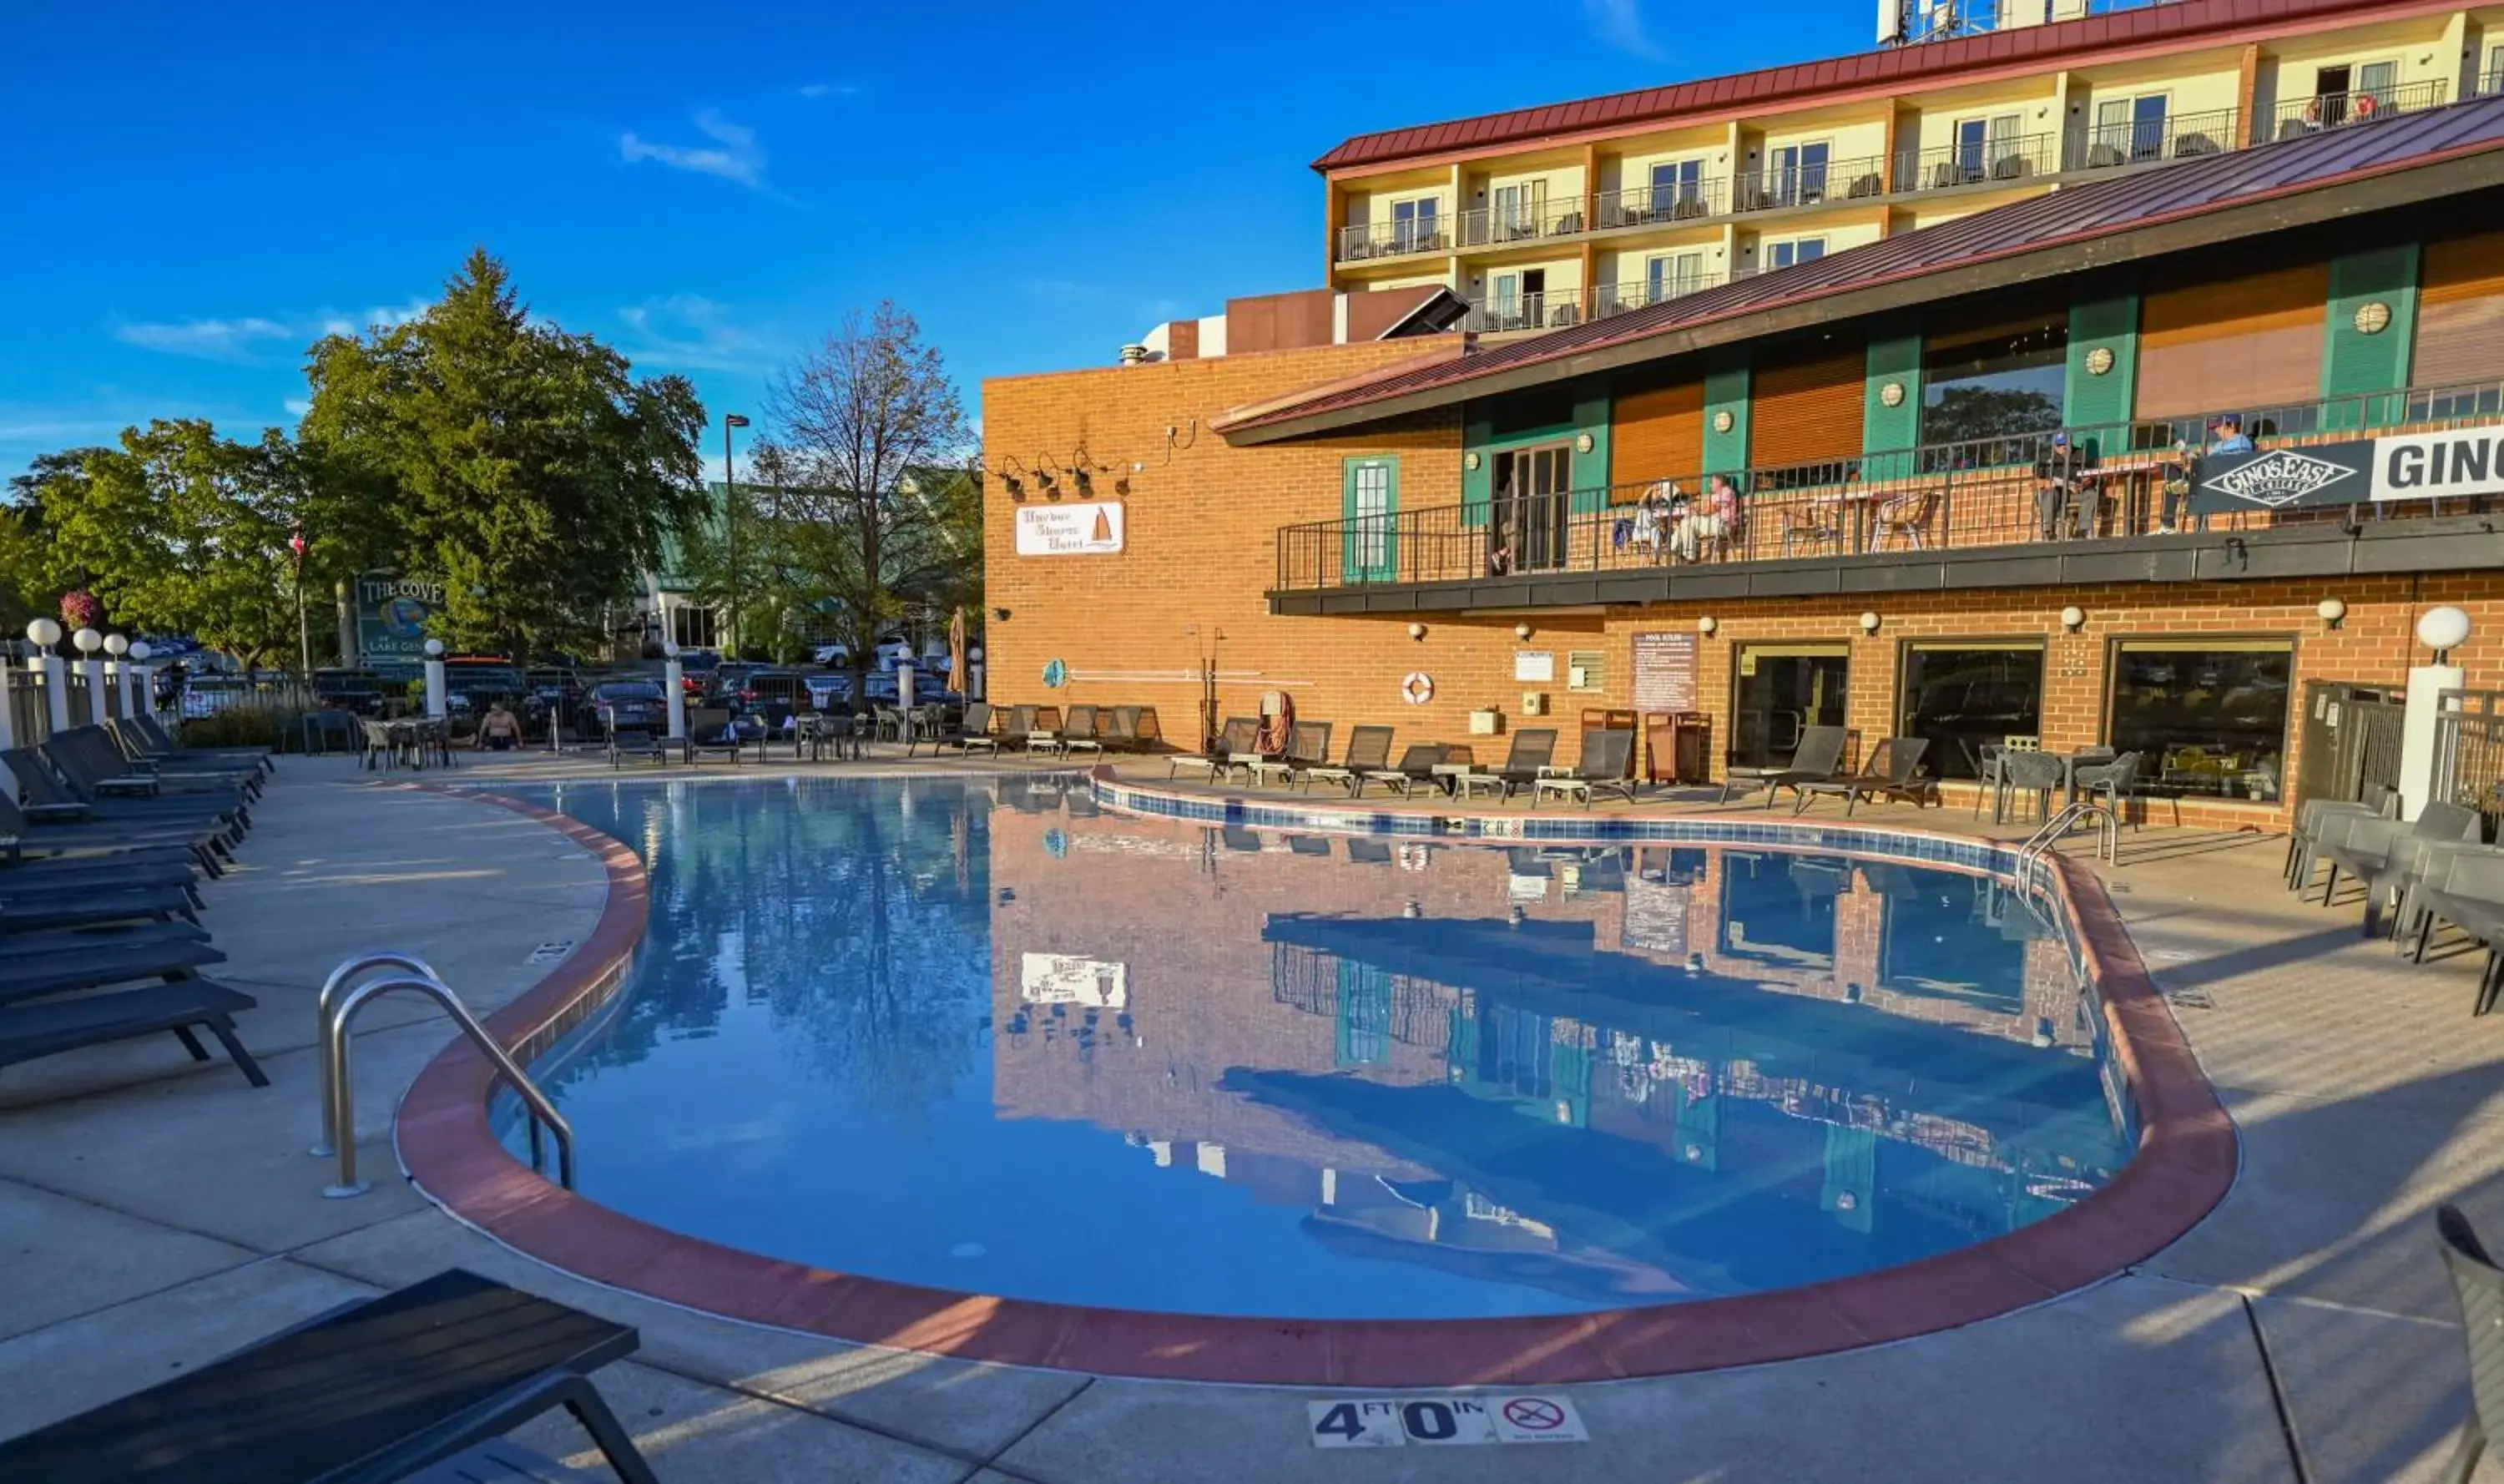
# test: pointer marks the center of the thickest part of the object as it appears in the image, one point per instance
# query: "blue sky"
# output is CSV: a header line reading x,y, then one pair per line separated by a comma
x,y
197,191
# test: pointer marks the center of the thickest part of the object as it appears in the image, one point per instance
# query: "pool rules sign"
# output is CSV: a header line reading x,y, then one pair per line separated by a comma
x,y
1396,1422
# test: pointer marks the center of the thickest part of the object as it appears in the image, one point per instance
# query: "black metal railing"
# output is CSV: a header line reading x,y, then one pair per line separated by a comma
x,y
2004,160
2147,141
1810,185
2469,750
1978,493
1660,205
2298,117
1528,222
1362,240
2491,83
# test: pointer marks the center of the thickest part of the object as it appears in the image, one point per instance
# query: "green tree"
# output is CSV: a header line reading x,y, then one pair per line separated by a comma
x,y
180,531
523,465
861,422
31,576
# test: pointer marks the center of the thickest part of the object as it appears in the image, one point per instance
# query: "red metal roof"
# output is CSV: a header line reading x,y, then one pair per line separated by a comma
x,y
2071,214
2182,20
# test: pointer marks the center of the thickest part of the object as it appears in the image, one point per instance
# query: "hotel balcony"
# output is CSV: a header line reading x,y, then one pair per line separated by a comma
x,y
2183,136
1497,226
1558,308
2008,162
1957,515
1810,184
1661,205
2298,117
1359,242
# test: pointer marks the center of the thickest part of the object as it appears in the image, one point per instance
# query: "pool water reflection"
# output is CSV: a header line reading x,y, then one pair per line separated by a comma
x,y
976,1034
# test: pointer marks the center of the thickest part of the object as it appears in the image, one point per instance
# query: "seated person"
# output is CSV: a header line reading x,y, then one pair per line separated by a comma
x,y
2227,436
2061,476
499,731
1717,522
2179,470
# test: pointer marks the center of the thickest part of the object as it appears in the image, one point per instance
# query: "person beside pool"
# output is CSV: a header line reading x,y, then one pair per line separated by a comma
x,y
499,730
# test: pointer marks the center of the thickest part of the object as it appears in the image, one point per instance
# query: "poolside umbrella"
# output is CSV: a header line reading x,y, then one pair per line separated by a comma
x,y
957,676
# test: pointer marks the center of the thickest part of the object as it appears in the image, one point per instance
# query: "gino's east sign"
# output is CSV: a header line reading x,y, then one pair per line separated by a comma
x,y
2414,465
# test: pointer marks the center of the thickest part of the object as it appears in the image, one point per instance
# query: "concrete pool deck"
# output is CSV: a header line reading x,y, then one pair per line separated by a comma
x,y
155,1214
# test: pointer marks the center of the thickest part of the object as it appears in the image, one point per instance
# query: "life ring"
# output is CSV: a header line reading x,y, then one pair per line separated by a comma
x,y
1418,688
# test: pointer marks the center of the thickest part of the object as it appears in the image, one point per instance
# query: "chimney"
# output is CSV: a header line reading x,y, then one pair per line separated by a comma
x,y
1135,355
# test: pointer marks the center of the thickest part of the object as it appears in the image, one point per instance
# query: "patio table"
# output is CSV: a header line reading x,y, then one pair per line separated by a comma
x,y
2070,763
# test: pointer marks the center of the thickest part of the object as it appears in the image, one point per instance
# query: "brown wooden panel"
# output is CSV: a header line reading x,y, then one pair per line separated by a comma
x,y
1657,433
2248,341
1807,407
2460,312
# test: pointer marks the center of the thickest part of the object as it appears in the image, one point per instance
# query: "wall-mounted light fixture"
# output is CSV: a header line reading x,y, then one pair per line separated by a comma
x,y
2443,630
1868,623
2331,610
1706,625
1085,483
2073,618
1000,616
1583,443
1522,630
1417,630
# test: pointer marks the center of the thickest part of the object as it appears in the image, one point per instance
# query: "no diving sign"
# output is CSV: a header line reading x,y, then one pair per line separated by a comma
x,y
1395,1422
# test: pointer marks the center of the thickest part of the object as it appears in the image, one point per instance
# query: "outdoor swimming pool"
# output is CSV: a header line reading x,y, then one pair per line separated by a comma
x,y
979,1034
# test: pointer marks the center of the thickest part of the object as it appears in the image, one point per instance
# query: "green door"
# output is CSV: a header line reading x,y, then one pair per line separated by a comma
x,y
1370,511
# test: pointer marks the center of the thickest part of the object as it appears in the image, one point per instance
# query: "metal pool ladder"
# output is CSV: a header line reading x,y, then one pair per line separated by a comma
x,y
2041,842
342,996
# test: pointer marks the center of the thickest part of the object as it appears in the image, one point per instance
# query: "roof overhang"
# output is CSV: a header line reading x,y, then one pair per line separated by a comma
x,y
2424,178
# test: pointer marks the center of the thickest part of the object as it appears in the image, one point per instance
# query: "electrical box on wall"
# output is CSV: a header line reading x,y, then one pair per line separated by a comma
x,y
1484,723
1534,703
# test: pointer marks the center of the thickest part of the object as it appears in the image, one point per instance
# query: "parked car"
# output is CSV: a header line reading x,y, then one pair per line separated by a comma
x,y
628,703
548,689
351,690
472,683
829,690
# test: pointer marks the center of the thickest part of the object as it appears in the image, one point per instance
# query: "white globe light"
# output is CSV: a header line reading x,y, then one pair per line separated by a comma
x,y
2073,617
116,645
140,649
434,649
1868,623
2330,611
88,640
1706,625
2444,628
43,632
669,651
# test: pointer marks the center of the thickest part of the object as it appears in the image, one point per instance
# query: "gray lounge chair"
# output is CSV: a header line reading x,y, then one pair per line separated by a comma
x,y
81,838
145,743
1531,751
52,794
421,1384
1239,736
2469,895
1817,757
971,733
1416,766
1079,733
1369,750
91,758
1308,747
1894,772
2387,855
1605,767
89,907
2379,800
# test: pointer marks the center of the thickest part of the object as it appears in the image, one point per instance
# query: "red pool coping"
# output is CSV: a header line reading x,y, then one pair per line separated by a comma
x,y
2186,1160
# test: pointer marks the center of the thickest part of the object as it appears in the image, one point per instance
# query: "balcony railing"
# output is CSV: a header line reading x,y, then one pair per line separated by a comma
x,y
2185,136
1660,205
1937,498
2298,117
1837,180
2007,160
1361,240
1559,308
2491,83
1497,225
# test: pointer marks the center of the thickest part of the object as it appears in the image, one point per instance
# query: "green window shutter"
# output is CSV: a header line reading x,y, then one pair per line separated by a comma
x,y
1591,470
1478,430
2355,364
1893,361
1368,515
2106,324
1726,391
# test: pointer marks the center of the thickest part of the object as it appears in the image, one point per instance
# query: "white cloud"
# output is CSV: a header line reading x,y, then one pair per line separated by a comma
x,y
732,156
381,317
692,332
297,406
1620,24
828,90
204,339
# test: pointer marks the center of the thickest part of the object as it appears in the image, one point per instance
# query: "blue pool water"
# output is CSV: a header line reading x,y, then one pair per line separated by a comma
x,y
978,1034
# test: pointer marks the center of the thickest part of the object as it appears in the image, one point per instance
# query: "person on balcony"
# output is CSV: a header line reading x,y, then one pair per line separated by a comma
x,y
1717,522
2063,477
1653,517
2176,472
2227,435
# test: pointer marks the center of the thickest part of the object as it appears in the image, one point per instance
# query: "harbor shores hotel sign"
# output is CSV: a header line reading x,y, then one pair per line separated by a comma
x,y
1069,531
2411,465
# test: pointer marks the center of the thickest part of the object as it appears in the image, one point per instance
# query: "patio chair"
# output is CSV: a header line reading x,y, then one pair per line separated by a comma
x,y
418,1384
636,739
1894,772
1810,525
710,730
2479,1285
1416,766
49,800
1079,733
1530,752
1907,515
1606,765
1308,747
143,746
2387,855
1239,735
2468,894
79,840
1369,750
2379,799
2029,774
2110,782
1819,754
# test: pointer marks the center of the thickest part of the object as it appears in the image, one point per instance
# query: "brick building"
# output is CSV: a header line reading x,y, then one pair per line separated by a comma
x,y
1495,514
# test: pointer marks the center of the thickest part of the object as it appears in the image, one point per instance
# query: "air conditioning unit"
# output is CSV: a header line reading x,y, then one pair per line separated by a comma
x,y
1533,704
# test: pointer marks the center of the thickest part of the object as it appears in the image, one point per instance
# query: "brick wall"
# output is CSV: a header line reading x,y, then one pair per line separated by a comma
x,y
1199,556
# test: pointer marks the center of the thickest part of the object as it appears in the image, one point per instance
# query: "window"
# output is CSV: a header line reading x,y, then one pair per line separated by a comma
x,y
1670,274
1676,185
2128,129
1962,694
1520,299
1587,669
1782,254
2493,81
1413,225
2207,715
1518,209
691,627
1798,175
1988,148
2006,381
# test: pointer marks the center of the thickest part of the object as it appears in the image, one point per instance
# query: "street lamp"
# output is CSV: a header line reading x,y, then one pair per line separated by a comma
x,y
304,635
730,517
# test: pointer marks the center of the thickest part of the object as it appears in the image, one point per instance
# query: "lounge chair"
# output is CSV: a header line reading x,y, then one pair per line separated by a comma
x,y
1078,734
78,837
47,963
1017,728
1606,765
1239,735
2388,855
66,770
971,732
146,743
2380,799
1143,730
641,740
90,758
1308,747
1416,766
42,1011
2468,894
1894,772
1817,758
1529,752
1369,750
420,1384
89,906
1043,732
710,730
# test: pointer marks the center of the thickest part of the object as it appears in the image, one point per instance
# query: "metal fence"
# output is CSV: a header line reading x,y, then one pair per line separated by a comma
x,y
1932,498
2469,751
2299,117
2352,739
